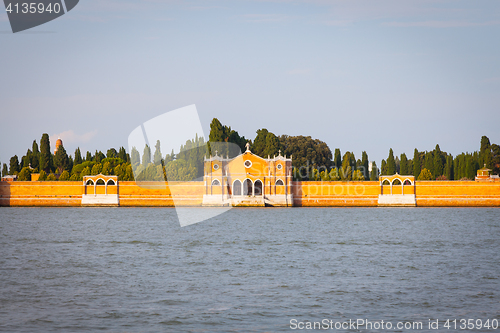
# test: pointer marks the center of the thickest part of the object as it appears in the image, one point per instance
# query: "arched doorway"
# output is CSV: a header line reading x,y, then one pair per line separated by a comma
x,y
247,187
236,187
258,187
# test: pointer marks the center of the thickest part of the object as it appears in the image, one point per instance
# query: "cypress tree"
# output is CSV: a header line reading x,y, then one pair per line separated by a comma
x,y
111,153
35,156
338,158
448,167
383,168
5,171
485,155
364,164
88,156
374,173
26,159
391,163
61,160
45,154
429,162
416,163
14,165
346,172
403,165
157,157
122,154
78,157
259,144
146,156
272,145
438,162
135,158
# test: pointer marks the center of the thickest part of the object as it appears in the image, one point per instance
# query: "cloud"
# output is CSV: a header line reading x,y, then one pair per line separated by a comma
x,y
70,137
441,24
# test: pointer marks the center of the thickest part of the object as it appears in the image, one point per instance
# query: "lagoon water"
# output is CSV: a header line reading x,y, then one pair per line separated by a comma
x,y
248,270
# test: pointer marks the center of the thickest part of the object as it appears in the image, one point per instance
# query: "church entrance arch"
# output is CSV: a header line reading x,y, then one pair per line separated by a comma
x,y
258,187
247,187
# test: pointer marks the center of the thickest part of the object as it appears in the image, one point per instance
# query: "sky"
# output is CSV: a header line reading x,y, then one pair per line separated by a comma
x,y
361,75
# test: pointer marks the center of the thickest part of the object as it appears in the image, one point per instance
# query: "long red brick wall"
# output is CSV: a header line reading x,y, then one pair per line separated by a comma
x,y
305,194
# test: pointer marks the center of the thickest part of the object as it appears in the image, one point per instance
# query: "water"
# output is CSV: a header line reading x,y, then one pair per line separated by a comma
x,y
248,270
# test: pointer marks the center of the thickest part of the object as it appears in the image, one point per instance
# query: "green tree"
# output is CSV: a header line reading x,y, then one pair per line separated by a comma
x,y
358,176
99,156
14,165
157,157
391,163
78,156
45,154
416,163
111,153
448,167
146,156
403,165
96,169
64,176
25,174
438,162
374,173
272,147
89,156
43,176
334,174
259,144
364,164
106,169
383,168
338,158
86,172
5,171
135,158
61,160
429,161
35,156
485,153
51,177
346,172
26,159
307,153
122,153
425,175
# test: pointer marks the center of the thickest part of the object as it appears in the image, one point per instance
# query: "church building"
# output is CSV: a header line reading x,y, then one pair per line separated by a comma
x,y
248,180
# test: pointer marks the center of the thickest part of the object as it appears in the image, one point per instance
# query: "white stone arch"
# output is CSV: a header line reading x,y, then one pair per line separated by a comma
x,y
89,182
216,182
237,187
248,187
256,185
279,182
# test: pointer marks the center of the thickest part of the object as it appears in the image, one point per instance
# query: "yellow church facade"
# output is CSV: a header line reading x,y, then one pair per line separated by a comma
x,y
248,180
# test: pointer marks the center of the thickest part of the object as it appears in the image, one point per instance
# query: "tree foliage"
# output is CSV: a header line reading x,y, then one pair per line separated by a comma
x,y
425,175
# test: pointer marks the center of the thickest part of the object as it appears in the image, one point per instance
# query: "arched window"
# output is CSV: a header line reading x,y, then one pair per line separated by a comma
x,y
89,182
396,182
111,182
407,182
279,182
215,182
100,182
236,187
258,187
386,182
247,187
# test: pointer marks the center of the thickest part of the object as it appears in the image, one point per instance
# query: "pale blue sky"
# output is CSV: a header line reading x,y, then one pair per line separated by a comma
x,y
359,75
